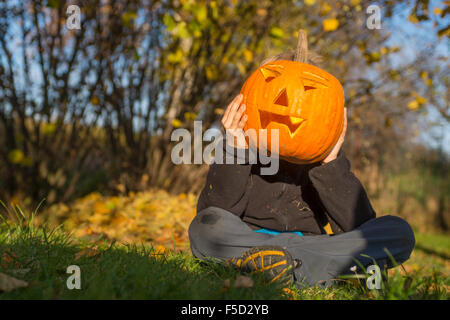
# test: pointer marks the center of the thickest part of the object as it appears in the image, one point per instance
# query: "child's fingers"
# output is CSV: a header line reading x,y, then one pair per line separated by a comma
x,y
226,117
344,129
231,114
242,122
237,116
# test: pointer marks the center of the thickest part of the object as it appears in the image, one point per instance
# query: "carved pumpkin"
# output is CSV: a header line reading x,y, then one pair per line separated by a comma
x,y
302,101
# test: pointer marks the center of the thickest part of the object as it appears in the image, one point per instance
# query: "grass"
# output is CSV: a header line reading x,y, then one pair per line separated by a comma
x,y
40,255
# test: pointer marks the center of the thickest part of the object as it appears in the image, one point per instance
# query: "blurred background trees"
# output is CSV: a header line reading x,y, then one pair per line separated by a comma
x,y
93,109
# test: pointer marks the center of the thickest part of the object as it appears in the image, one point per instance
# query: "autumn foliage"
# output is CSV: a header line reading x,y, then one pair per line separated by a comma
x,y
150,217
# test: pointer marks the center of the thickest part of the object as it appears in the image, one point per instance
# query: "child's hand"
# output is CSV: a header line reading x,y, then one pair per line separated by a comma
x,y
234,121
334,152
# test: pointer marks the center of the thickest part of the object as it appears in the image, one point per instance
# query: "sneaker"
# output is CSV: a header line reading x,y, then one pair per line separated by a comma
x,y
274,262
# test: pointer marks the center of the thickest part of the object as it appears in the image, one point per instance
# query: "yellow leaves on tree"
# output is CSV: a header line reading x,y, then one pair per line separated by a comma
x,y
418,101
276,32
330,24
176,123
248,55
425,77
17,156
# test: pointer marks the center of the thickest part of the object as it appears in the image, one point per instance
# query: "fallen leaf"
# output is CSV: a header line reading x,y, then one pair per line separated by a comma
x,y
8,284
243,282
7,259
290,293
86,253
159,251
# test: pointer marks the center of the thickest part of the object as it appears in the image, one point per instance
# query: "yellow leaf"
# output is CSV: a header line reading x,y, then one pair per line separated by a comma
x,y
421,100
424,75
355,2
261,12
95,101
276,32
328,229
437,11
190,116
159,251
201,13
101,208
425,78
8,284
48,128
16,156
248,55
175,57
413,18
330,24
310,2
241,68
211,72
413,105
290,293
176,123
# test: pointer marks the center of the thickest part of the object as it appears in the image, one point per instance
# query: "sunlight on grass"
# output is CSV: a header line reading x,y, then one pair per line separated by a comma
x,y
39,255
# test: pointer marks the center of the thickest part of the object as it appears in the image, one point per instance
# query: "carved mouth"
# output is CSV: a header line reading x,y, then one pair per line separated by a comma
x,y
293,123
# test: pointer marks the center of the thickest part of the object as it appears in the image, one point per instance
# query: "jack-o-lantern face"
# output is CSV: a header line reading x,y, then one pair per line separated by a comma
x,y
305,104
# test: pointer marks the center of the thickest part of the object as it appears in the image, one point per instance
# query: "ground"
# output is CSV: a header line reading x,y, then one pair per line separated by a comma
x,y
136,247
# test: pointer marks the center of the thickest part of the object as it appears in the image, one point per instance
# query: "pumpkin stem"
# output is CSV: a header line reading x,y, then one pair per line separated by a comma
x,y
301,52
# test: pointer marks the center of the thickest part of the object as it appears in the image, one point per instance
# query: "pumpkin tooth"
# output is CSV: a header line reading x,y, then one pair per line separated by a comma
x,y
295,120
293,123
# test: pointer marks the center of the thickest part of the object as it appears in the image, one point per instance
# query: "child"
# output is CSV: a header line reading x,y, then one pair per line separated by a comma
x,y
280,224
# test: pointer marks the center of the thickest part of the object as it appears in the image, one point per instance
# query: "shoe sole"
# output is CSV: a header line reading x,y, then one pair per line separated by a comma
x,y
274,262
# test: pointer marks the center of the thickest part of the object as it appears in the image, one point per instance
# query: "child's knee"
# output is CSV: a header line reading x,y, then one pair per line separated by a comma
x,y
402,229
204,232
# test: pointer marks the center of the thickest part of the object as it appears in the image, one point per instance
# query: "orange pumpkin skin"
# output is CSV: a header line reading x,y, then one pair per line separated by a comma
x,y
304,102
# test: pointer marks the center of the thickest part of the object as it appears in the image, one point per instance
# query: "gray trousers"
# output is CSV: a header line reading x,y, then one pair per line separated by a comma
x,y
217,233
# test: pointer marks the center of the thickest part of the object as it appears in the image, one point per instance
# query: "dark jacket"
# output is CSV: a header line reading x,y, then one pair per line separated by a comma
x,y
297,198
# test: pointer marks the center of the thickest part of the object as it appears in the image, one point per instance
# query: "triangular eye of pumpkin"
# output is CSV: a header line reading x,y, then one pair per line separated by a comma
x,y
270,73
282,99
313,81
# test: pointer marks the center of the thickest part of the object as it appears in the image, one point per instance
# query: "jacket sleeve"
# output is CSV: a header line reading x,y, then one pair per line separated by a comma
x,y
226,183
341,193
